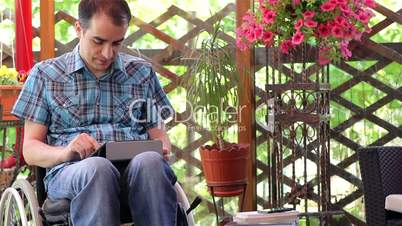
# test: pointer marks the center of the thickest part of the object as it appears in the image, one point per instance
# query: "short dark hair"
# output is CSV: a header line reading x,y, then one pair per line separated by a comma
x,y
117,10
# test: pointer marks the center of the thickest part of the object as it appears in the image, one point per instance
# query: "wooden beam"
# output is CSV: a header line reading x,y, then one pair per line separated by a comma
x,y
394,16
47,37
245,62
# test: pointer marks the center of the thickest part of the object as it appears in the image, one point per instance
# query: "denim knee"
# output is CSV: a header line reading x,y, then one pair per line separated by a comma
x,y
150,165
147,160
96,170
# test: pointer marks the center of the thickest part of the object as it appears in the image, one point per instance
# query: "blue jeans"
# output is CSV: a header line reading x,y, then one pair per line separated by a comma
x,y
95,188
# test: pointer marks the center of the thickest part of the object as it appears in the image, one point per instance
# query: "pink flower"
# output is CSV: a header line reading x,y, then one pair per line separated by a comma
x,y
253,32
331,24
334,2
339,20
337,31
250,36
327,7
258,31
240,43
323,30
345,9
348,31
363,17
323,56
308,15
248,18
267,38
299,24
285,46
295,2
370,3
262,8
342,2
268,17
240,31
346,53
297,38
311,23
356,34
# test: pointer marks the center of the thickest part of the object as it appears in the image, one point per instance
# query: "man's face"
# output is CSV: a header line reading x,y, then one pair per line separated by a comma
x,y
100,42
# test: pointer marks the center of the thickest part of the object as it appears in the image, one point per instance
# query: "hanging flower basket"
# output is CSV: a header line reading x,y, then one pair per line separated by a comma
x,y
328,24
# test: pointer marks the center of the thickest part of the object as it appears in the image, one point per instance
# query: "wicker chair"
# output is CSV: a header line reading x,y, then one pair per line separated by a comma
x,y
381,170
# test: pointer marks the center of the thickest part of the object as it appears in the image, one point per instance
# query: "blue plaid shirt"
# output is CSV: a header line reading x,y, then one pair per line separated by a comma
x,y
65,96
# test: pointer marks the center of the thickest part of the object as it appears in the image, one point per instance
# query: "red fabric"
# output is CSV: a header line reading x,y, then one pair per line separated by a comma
x,y
23,35
23,61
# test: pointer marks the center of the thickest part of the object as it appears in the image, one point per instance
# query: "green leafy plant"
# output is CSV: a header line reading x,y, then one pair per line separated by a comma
x,y
212,85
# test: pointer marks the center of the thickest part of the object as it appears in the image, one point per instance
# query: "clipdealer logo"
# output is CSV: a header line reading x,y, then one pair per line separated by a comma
x,y
148,111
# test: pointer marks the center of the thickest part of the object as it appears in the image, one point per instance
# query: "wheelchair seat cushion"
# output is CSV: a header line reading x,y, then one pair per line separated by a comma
x,y
56,211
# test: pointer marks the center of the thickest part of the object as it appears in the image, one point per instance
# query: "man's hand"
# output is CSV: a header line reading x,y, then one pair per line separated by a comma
x,y
81,147
159,133
166,153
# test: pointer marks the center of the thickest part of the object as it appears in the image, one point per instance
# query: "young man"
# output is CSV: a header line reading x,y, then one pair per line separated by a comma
x,y
73,103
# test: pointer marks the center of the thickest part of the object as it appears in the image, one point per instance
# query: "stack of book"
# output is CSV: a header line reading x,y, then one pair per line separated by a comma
x,y
259,218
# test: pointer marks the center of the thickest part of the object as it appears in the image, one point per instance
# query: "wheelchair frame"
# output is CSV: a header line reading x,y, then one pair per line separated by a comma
x,y
22,191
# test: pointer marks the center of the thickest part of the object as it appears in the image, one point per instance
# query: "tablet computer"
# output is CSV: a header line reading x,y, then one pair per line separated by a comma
x,y
126,150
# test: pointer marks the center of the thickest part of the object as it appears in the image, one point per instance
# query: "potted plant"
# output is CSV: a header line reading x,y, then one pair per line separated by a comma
x,y
213,89
10,87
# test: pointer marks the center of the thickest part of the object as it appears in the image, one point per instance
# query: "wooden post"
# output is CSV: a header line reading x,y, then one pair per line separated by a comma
x,y
245,64
47,37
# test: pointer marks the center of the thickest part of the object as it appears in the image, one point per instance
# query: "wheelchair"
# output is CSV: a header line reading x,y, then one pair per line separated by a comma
x,y
21,205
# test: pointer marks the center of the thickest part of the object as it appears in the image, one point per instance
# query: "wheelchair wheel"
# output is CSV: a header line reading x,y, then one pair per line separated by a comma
x,y
19,206
182,199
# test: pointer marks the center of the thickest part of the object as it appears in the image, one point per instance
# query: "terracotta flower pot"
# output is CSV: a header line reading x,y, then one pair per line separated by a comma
x,y
8,96
225,170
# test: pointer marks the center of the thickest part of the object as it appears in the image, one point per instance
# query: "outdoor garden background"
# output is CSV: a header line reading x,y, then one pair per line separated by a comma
x,y
358,89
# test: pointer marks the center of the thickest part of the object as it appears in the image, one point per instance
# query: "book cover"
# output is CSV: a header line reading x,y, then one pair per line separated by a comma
x,y
287,218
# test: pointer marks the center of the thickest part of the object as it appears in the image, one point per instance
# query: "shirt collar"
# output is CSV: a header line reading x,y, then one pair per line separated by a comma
x,y
118,64
75,62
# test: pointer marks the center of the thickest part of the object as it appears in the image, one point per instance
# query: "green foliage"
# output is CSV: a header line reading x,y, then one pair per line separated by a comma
x,y
10,140
8,76
212,79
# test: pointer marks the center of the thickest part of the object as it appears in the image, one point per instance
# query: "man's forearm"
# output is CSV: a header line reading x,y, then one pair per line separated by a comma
x,y
40,154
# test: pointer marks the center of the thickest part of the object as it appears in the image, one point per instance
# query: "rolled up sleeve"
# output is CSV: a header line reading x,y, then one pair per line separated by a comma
x,y
31,104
